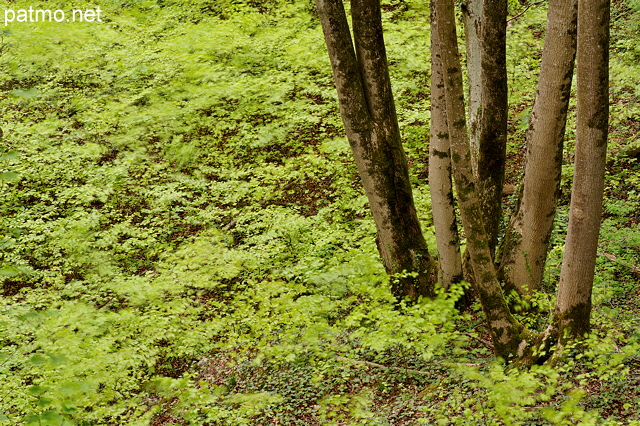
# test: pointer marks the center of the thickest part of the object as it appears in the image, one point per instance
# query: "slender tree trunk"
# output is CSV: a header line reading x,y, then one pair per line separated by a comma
x,y
573,307
492,148
369,117
440,185
527,239
472,17
508,335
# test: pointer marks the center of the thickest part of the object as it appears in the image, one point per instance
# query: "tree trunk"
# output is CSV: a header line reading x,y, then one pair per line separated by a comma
x,y
507,333
440,185
472,17
492,149
369,117
527,239
573,308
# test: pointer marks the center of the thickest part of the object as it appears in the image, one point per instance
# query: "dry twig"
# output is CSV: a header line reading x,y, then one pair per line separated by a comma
x,y
634,269
529,6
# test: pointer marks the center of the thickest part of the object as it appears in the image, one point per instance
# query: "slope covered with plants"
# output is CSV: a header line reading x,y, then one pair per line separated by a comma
x,y
184,239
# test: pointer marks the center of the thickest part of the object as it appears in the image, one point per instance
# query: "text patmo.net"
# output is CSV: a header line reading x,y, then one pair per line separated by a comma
x,y
47,15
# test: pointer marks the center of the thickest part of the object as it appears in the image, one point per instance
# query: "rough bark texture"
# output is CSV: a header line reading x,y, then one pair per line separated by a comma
x,y
472,17
527,238
573,306
492,148
440,184
369,117
507,333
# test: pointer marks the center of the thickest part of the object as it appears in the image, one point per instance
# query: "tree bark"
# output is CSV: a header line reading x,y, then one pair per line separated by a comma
x,y
573,308
440,185
368,113
492,148
527,238
472,18
507,333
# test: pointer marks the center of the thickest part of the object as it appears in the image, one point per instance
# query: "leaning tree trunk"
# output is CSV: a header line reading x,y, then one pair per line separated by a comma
x,y
573,307
508,335
492,147
368,113
527,239
440,185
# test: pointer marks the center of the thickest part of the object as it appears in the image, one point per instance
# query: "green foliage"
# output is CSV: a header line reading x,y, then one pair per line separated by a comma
x,y
562,394
184,238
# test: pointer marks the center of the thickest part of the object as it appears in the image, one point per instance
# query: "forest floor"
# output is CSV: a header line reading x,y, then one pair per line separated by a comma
x,y
184,239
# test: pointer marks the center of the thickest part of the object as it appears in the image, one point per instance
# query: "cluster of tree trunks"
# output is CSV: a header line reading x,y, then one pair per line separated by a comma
x,y
469,156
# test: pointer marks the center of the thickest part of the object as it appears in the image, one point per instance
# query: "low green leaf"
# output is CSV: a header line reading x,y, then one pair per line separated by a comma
x,y
26,94
9,176
9,155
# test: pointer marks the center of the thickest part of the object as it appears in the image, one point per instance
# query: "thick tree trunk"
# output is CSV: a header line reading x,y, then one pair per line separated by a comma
x,y
573,306
527,239
440,185
492,149
509,336
369,117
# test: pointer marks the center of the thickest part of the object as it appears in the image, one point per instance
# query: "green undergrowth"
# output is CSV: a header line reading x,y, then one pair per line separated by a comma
x,y
184,239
